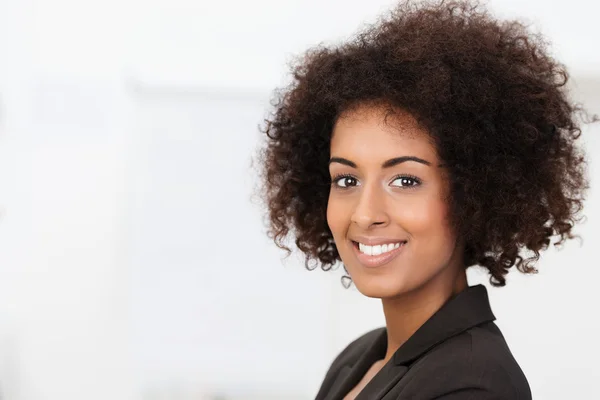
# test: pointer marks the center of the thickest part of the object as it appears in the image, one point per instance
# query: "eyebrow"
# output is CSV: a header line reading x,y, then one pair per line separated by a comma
x,y
387,164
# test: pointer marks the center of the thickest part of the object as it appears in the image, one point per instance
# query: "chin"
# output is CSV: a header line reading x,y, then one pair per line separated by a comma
x,y
379,287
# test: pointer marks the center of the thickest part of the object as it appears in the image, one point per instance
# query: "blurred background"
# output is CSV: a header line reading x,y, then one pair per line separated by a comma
x,y
133,259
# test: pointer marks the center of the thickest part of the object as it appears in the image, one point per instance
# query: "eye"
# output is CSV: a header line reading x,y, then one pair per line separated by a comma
x,y
344,181
407,181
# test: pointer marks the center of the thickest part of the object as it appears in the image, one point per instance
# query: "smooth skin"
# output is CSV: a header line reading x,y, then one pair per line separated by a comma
x,y
388,184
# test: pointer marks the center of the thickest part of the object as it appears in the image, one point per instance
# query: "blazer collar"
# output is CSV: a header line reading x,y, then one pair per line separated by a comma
x,y
466,310
469,308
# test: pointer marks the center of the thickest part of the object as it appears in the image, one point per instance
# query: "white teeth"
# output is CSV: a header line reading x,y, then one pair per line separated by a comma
x,y
378,249
365,249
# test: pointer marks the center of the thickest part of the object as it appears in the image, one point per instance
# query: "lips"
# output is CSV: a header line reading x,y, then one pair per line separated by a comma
x,y
377,249
375,261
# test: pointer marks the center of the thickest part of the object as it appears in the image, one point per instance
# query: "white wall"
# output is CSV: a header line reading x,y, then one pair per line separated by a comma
x,y
133,264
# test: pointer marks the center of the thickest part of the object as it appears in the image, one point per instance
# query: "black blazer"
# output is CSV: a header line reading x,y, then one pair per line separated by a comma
x,y
458,354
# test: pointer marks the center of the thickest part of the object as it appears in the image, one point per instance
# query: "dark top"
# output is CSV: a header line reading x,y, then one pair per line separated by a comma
x,y
458,354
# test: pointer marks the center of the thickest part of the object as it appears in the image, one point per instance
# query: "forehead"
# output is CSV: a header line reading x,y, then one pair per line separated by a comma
x,y
373,132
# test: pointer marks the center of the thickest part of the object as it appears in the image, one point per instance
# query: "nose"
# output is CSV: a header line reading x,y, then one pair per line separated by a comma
x,y
370,208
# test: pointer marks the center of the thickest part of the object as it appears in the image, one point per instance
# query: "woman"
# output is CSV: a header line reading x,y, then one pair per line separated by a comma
x,y
435,140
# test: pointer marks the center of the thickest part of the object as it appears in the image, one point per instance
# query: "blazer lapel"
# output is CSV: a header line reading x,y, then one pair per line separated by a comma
x,y
349,375
383,382
469,308
342,384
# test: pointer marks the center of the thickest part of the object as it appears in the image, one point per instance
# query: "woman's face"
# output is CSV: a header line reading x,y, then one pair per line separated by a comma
x,y
387,205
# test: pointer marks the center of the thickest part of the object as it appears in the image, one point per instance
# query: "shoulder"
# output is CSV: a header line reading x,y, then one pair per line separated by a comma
x,y
477,363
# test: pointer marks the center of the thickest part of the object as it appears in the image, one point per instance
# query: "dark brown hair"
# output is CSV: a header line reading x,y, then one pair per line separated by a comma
x,y
489,94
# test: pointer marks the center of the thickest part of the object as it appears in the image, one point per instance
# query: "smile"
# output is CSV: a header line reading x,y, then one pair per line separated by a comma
x,y
378,255
378,249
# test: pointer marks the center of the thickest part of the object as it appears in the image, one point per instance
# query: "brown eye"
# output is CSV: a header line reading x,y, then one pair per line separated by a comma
x,y
407,181
345,181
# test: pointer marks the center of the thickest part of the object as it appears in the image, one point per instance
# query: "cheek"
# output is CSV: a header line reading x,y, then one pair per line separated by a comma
x,y
336,216
426,219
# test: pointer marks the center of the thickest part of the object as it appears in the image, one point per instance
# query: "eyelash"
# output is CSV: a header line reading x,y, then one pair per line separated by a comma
x,y
336,178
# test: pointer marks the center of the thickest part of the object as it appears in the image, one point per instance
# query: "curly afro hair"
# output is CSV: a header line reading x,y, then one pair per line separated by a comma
x,y
489,94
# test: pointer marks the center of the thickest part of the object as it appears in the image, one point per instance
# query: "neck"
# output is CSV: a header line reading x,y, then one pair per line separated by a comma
x,y
407,313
